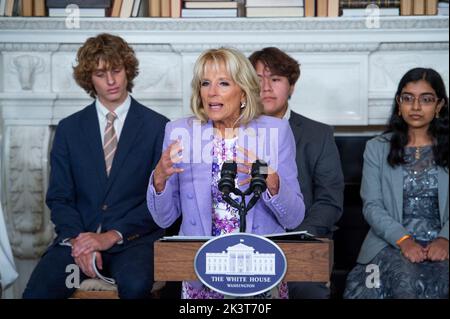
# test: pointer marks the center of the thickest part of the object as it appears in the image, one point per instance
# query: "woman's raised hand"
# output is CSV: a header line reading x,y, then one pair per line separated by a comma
x,y
166,165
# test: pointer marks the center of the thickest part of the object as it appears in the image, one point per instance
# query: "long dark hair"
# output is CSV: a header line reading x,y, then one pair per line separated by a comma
x,y
438,127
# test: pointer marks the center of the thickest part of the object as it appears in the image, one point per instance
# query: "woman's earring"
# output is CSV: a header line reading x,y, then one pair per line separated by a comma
x,y
399,113
437,115
243,104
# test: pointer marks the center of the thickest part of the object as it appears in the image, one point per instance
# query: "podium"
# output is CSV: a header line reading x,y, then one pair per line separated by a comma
x,y
306,261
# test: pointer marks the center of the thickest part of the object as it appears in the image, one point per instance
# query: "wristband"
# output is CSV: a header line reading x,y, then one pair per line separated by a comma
x,y
398,242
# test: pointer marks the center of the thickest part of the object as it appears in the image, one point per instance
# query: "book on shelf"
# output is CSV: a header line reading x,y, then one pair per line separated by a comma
x,y
418,7
126,9
79,3
84,12
175,8
211,5
431,7
154,8
115,11
2,7
143,9
209,13
185,1
9,8
310,8
254,12
333,8
276,3
87,8
443,9
365,3
165,8
406,7
322,8
383,12
27,8
239,5
39,9
136,8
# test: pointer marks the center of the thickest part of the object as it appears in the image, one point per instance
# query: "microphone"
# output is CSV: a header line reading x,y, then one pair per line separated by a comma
x,y
227,177
259,174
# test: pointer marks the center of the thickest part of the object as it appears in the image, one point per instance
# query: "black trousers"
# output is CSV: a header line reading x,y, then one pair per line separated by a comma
x,y
308,290
132,268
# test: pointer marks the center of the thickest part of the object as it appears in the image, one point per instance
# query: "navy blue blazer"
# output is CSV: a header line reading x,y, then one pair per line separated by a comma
x,y
81,196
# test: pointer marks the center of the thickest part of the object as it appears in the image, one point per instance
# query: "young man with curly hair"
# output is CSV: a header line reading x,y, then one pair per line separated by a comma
x,y
101,161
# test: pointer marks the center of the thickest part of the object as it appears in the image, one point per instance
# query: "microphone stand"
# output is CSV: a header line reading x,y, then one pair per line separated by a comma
x,y
241,207
257,186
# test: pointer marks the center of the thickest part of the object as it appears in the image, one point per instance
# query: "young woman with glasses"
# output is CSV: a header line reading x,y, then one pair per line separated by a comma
x,y
405,195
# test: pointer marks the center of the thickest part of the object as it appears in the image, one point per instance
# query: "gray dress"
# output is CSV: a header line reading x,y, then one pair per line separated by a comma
x,y
398,277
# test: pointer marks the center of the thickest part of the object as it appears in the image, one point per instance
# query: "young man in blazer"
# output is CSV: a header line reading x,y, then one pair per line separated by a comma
x,y
317,157
101,161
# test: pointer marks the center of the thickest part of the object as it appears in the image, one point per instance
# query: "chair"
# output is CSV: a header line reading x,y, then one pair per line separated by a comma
x,y
99,289
352,227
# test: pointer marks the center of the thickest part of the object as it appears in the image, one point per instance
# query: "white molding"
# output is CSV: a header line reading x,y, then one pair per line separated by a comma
x,y
224,24
297,30
198,47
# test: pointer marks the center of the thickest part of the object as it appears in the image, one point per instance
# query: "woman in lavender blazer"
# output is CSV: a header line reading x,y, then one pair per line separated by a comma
x,y
227,125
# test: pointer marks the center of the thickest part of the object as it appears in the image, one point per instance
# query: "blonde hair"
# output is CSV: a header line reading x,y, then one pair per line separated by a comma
x,y
241,72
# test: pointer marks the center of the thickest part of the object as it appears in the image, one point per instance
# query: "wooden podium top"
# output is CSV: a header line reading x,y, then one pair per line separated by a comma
x,y
306,261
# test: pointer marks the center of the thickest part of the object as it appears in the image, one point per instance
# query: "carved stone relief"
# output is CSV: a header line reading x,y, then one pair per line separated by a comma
x,y
62,72
159,74
322,97
386,69
27,66
26,149
26,71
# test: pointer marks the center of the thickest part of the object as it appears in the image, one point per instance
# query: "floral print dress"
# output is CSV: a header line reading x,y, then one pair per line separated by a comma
x,y
225,220
399,278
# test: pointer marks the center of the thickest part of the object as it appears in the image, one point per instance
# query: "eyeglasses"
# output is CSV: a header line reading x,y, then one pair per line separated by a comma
x,y
424,99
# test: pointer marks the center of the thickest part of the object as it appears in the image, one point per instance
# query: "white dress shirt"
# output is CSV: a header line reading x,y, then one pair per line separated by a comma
x,y
121,113
287,115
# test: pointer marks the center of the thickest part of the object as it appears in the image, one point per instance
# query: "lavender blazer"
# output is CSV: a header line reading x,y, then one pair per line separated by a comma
x,y
189,193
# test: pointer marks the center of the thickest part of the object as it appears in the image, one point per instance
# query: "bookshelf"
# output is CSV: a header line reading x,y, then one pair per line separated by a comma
x,y
221,8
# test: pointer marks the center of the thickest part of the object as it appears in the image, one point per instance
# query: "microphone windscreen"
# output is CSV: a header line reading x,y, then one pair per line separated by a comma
x,y
227,176
229,167
260,167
